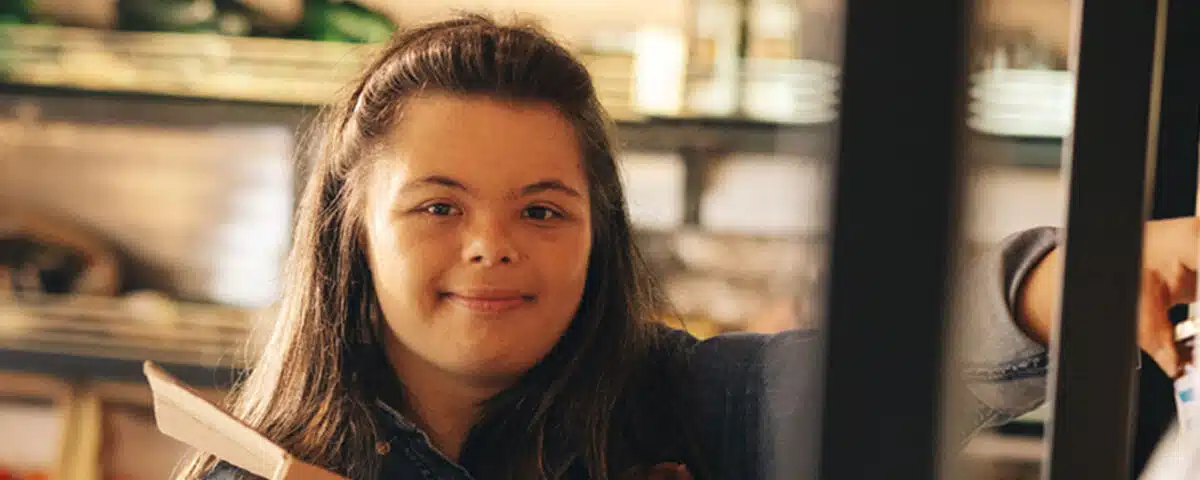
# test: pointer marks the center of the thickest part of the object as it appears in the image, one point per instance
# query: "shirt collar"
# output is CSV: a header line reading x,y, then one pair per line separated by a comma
x,y
396,417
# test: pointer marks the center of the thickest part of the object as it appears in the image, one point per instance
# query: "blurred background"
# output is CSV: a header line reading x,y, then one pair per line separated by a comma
x,y
148,174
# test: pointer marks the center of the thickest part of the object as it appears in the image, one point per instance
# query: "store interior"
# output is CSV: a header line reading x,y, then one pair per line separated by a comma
x,y
149,165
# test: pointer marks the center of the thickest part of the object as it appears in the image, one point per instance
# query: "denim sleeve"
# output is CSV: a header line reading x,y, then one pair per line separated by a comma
x,y
226,471
1003,370
758,398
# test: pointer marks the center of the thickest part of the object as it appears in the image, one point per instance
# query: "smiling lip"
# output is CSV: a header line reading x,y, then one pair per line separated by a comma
x,y
489,301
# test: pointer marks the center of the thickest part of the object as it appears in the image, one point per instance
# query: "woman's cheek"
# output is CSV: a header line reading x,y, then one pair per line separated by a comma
x,y
395,246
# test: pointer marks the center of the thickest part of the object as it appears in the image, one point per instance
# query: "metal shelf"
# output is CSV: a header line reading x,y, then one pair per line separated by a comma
x,y
109,338
226,68
714,136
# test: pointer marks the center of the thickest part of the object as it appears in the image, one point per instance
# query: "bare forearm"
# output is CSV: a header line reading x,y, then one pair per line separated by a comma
x,y
1038,297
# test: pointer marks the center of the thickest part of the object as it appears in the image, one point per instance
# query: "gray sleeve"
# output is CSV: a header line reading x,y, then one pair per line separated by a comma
x,y
1003,370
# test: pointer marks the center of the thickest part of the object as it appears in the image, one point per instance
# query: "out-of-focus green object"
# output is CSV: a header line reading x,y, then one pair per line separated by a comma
x,y
12,12
334,21
168,15
16,12
227,17
260,18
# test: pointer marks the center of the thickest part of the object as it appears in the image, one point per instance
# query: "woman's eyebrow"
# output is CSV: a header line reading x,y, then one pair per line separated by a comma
x,y
539,186
432,180
549,185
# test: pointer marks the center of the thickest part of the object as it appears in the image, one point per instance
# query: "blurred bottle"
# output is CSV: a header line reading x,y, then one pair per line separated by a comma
x,y
713,57
343,21
660,68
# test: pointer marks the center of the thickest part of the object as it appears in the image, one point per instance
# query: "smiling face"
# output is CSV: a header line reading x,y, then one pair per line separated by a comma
x,y
479,230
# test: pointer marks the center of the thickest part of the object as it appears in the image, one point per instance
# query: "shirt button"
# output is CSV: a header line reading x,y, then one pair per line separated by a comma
x,y
382,447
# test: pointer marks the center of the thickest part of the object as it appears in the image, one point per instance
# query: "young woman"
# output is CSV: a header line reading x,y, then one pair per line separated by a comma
x,y
465,299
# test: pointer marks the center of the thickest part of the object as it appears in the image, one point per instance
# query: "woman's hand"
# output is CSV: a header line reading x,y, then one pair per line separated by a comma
x,y
1168,279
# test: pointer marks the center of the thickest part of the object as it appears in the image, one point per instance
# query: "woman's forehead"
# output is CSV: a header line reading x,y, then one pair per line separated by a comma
x,y
479,140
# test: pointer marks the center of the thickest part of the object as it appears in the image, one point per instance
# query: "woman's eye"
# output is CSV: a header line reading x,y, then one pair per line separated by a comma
x,y
541,213
440,209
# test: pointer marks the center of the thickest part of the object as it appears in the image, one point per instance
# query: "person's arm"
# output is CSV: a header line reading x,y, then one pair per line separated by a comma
x,y
751,388
751,384
1006,356
1168,279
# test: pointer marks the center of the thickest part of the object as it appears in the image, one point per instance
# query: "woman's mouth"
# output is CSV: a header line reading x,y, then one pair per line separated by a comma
x,y
489,302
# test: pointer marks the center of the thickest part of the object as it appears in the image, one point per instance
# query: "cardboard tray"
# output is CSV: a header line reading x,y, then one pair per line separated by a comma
x,y
184,415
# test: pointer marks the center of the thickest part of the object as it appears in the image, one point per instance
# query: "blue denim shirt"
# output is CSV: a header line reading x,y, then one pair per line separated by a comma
x,y
748,384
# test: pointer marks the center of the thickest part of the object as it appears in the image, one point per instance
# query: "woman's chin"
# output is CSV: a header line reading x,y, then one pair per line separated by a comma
x,y
498,373
496,357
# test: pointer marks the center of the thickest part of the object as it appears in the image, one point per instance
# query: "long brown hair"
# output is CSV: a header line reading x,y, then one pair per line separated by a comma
x,y
323,367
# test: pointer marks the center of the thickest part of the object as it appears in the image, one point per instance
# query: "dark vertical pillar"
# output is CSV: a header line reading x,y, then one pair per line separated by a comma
x,y
1174,195
895,210
1107,162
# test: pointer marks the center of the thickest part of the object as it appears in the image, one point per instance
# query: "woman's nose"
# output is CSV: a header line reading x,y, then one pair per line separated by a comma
x,y
490,245
489,260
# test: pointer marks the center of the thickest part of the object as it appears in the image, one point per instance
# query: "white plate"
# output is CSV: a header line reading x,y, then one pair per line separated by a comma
x,y
1020,127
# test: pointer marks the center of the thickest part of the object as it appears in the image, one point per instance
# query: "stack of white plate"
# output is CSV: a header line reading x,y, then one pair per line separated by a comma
x,y
1022,103
790,91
